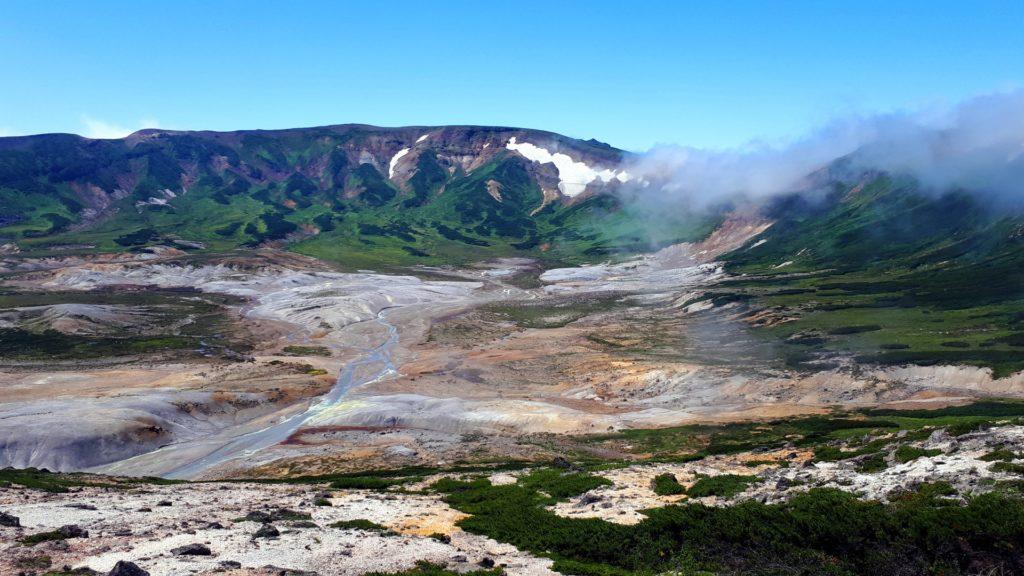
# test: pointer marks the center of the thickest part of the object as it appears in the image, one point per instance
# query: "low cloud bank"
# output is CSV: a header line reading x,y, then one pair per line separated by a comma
x,y
976,145
100,129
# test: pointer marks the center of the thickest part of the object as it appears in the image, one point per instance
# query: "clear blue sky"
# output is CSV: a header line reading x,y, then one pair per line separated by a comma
x,y
710,74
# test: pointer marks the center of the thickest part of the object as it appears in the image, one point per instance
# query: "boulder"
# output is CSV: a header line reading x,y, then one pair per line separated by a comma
x,y
73,531
126,568
192,550
9,520
267,531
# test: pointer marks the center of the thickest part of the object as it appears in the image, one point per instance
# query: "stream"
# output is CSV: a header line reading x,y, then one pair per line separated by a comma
x,y
250,443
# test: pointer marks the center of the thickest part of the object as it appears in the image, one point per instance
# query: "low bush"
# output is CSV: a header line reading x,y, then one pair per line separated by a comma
x,y
666,485
364,483
907,453
561,485
842,330
872,463
361,524
723,486
1008,467
822,531
33,539
306,351
1000,454
424,568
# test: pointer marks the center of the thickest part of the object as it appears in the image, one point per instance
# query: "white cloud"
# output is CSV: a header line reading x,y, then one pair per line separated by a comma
x,y
99,129
976,145
4,131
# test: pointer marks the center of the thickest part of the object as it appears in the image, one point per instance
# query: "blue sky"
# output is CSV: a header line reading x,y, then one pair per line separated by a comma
x,y
707,74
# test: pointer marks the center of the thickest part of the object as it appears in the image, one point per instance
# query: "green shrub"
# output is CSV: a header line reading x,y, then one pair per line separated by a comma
x,y
33,539
361,524
841,330
38,479
966,427
364,483
561,485
275,515
872,463
822,531
306,351
1001,454
723,486
424,568
1008,467
907,453
832,454
666,485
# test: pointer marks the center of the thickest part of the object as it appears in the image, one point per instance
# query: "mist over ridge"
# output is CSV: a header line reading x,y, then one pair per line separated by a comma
x,y
976,145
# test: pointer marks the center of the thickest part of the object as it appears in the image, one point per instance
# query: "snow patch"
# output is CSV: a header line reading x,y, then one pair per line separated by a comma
x,y
166,195
784,264
422,138
573,176
394,161
756,244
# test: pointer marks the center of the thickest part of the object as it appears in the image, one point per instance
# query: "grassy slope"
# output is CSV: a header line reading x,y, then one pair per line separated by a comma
x,y
298,187
890,276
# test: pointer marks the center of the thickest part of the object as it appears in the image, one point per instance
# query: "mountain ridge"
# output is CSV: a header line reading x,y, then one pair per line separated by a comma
x,y
404,195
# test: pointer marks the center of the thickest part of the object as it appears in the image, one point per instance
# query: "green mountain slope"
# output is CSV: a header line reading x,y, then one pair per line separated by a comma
x,y
882,271
357,195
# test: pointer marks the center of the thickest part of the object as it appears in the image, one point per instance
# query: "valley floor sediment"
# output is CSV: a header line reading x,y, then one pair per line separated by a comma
x,y
353,371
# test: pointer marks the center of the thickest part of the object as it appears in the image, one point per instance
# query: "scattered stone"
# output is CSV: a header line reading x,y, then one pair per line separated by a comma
x,y
9,520
486,563
165,503
126,568
460,558
192,550
145,509
81,506
230,564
